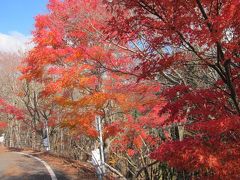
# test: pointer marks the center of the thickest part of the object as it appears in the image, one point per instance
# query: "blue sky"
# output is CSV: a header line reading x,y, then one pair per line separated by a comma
x,y
18,15
17,23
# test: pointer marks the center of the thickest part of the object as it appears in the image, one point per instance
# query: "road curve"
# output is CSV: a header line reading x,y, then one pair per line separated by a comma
x,y
14,166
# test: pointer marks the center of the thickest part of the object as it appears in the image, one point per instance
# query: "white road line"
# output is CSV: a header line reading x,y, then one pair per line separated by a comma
x,y
52,174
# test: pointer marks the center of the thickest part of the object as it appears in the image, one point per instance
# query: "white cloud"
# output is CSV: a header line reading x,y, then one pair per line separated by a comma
x,y
15,42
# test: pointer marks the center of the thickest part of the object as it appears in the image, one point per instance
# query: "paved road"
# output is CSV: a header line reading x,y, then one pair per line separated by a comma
x,y
15,166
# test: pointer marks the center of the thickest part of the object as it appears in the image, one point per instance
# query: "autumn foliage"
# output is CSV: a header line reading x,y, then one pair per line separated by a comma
x,y
200,33
163,75
8,109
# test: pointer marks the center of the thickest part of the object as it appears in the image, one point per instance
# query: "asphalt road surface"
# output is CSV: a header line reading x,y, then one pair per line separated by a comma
x,y
15,166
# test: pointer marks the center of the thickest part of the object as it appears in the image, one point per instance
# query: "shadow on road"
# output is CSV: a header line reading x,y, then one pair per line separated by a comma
x,y
27,177
14,166
22,167
37,176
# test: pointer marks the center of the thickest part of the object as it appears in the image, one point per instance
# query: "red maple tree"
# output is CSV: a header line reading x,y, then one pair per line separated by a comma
x,y
92,62
79,68
173,35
